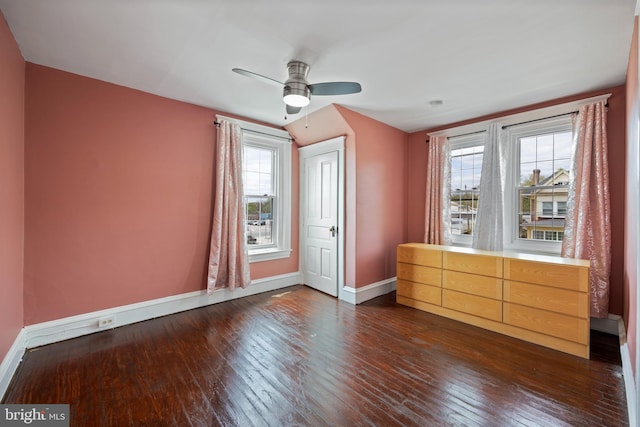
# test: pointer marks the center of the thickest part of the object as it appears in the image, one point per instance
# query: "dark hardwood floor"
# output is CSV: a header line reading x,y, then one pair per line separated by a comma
x,y
297,357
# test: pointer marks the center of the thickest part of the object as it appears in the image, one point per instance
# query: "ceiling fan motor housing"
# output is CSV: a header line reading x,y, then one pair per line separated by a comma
x,y
297,84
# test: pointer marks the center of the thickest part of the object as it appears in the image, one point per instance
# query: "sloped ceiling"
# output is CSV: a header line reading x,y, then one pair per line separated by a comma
x,y
478,57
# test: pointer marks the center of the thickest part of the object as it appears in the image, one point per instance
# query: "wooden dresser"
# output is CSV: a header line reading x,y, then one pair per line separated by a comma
x,y
536,298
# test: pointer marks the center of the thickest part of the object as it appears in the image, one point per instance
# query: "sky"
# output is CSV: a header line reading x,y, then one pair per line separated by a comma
x,y
546,152
257,170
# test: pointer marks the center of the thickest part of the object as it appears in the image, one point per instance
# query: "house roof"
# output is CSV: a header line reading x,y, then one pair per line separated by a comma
x,y
476,57
553,179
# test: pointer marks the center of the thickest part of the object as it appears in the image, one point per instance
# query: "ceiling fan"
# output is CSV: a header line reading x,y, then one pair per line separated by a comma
x,y
297,90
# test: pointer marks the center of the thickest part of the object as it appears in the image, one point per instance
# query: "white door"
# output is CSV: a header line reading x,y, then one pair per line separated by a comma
x,y
319,197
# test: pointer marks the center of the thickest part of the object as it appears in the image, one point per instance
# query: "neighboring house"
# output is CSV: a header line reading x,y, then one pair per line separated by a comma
x,y
547,208
463,217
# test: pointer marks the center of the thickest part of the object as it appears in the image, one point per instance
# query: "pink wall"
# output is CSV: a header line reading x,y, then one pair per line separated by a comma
x,y
319,126
632,216
11,188
119,190
380,197
616,139
375,192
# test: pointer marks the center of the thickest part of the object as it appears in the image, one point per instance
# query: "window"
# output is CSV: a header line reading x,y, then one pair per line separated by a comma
x,y
537,196
466,168
562,208
555,236
259,193
266,174
536,180
536,188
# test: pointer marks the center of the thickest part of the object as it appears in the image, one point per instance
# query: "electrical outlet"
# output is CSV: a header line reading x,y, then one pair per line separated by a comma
x,y
106,322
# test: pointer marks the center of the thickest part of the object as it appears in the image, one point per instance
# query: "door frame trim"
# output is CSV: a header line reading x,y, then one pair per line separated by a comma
x,y
330,145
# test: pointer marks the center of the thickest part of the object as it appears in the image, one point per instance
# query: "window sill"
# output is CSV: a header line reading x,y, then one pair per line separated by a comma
x,y
535,247
532,247
268,254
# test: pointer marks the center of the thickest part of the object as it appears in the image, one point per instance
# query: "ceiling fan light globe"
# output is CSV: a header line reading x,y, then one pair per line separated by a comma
x,y
296,100
296,93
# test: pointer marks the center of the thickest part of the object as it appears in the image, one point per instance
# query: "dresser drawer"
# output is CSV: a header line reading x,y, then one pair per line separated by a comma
x,y
489,287
546,322
548,274
420,292
420,255
471,304
473,263
418,273
563,301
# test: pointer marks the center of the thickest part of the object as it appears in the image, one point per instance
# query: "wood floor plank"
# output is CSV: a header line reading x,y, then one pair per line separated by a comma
x,y
301,358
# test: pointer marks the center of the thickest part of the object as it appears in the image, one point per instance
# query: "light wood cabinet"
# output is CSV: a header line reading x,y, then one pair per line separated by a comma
x,y
415,253
484,263
419,274
489,287
541,299
419,292
548,271
547,298
472,304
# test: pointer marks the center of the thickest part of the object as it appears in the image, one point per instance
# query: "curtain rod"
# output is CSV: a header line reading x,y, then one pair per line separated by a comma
x,y
517,124
543,118
466,134
606,105
457,136
217,124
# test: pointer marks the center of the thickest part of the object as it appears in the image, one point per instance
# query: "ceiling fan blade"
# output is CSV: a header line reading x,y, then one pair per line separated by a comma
x,y
293,110
335,88
260,77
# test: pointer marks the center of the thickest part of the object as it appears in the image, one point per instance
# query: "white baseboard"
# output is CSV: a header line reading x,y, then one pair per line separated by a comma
x,y
11,361
74,326
608,325
83,324
627,374
365,293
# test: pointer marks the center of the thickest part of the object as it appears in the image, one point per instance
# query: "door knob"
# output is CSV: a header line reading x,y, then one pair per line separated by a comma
x,y
333,230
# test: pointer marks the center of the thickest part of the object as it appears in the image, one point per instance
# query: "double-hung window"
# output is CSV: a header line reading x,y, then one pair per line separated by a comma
x,y
536,198
466,168
266,174
536,187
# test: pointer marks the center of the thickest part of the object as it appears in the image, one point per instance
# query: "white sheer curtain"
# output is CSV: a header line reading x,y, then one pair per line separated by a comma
x,y
438,186
488,231
587,232
228,256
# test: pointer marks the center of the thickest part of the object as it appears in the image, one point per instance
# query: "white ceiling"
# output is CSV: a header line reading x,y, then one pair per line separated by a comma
x,y
477,56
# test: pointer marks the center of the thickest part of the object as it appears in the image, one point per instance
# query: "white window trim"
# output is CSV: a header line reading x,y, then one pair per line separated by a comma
x,y
513,121
512,241
281,141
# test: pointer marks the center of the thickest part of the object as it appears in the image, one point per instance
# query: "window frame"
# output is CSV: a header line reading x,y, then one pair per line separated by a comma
x,y
558,211
282,143
274,196
514,122
456,143
281,221
511,225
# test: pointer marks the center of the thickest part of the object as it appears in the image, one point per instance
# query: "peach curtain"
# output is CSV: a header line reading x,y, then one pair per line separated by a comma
x,y
587,233
437,204
228,256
